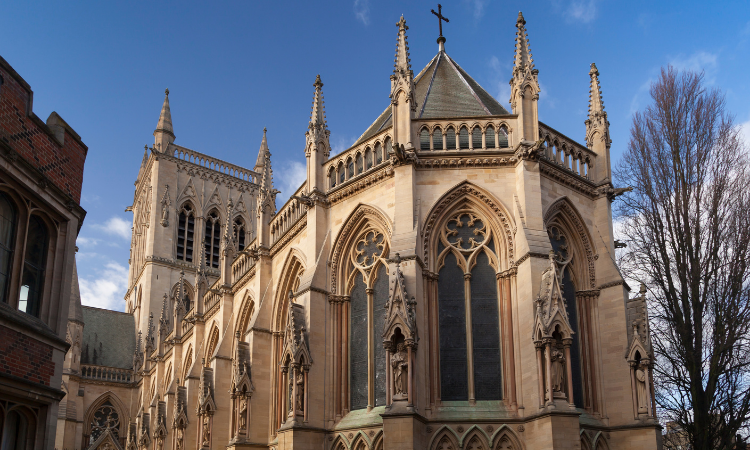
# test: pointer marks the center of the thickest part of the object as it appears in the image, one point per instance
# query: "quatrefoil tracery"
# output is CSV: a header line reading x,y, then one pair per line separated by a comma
x,y
465,231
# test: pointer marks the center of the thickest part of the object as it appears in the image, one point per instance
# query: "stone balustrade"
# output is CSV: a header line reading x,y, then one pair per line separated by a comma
x,y
109,374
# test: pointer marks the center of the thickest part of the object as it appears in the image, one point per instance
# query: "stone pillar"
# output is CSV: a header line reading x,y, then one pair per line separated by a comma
x,y
569,371
548,367
540,372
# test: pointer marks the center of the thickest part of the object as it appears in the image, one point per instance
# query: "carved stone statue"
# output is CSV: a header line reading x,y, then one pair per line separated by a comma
x,y
640,386
180,439
206,430
400,372
299,398
243,413
558,371
160,444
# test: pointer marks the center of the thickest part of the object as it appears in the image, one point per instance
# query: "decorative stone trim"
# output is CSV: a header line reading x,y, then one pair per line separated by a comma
x,y
355,186
563,206
289,235
460,162
612,284
578,183
528,255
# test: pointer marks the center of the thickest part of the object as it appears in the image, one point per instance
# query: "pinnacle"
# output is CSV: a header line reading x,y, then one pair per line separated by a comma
x,y
165,118
318,115
594,70
521,20
402,61
318,84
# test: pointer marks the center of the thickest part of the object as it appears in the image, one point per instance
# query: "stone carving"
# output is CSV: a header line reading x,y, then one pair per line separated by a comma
x,y
206,430
558,371
400,372
640,379
243,413
299,398
180,439
165,203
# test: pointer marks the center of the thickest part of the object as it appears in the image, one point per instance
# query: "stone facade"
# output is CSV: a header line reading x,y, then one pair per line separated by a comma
x,y
41,172
446,282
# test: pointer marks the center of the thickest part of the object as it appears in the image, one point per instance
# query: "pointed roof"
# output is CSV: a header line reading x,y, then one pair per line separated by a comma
x,y
596,104
402,61
165,118
318,115
263,164
443,90
261,153
523,58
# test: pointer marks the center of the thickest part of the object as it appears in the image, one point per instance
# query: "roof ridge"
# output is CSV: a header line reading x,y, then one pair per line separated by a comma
x,y
458,72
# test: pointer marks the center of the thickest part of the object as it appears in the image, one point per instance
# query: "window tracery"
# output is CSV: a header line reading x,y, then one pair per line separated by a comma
x,y
239,233
105,417
185,232
212,239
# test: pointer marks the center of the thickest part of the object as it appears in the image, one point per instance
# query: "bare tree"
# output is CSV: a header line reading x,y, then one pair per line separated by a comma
x,y
687,227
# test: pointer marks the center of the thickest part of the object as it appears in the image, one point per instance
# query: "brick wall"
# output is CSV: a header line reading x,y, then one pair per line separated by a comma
x,y
35,141
25,357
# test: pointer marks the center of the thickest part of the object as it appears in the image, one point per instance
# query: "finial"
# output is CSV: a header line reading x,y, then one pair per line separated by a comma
x,y
521,20
264,131
166,91
594,70
318,83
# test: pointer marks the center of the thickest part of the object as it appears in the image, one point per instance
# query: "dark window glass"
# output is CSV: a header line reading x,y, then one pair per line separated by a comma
x,y
7,240
463,138
368,158
358,345
380,298
342,174
503,138
489,138
452,329
476,138
437,139
450,139
332,176
185,232
485,331
15,432
32,280
424,139
388,148
349,168
379,151
212,239
360,165
239,233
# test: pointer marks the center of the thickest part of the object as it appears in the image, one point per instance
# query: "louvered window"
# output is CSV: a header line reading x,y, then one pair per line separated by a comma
x,y
185,230
476,138
450,139
437,139
489,137
424,139
212,239
463,138
503,137
7,240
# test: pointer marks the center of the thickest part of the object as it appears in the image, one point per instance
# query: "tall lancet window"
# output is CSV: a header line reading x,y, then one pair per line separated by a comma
x,y
468,311
563,249
185,232
368,291
239,233
212,239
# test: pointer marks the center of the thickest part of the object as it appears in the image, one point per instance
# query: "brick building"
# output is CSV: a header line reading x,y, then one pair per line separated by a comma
x,y
41,173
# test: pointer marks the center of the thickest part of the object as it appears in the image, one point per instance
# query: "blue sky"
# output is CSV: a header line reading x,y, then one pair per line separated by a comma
x,y
233,68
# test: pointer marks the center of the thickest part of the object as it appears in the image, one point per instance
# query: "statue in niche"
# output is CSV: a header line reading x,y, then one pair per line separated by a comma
x,y
180,439
299,398
160,444
206,430
640,385
400,367
243,412
558,370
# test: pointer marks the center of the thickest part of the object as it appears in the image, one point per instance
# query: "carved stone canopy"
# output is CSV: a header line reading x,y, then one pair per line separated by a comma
x,y
551,312
400,311
295,335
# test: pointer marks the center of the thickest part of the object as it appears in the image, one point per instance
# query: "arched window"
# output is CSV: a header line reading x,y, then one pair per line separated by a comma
x,y
360,164
212,239
437,139
489,137
349,168
368,296
239,233
7,240
342,173
388,148
468,315
17,434
185,231
368,158
562,247
476,138
424,139
463,138
379,152
32,280
105,417
450,139
503,137
332,177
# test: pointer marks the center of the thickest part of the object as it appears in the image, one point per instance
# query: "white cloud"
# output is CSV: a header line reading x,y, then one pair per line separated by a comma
x,y
581,11
291,175
115,226
107,289
83,241
341,143
697,62
362,11
501,75
477,7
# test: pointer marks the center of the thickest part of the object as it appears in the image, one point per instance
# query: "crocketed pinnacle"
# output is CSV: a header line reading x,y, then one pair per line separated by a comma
x,y
263,165
261,153
165,118
596,104
523,60
318,116
402,63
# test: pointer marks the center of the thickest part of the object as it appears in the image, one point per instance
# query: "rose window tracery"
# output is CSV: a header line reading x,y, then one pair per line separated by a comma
x,y
369,248
465,231
105,417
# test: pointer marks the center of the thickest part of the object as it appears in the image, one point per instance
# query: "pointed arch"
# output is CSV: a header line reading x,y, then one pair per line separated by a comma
x,y
212,343
340,442
585,440
246,312
292,269
444,439
475,435
562,213
106,399
468,195
505,438
361,216
599,442
361,441
188,358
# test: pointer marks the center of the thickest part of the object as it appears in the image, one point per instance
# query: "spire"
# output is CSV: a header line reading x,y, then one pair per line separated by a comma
x,y
164,133
524,85
597,127
261,153
318,116
263,165
403,104
402,63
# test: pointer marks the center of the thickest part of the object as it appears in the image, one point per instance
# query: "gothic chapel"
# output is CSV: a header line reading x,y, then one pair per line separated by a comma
x,y
448,282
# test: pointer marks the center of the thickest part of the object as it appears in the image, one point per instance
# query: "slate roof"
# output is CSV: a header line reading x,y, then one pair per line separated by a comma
x,y
108,338
443,90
